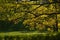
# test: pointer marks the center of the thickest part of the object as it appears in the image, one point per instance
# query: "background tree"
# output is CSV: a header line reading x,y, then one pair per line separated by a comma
x,y
15,16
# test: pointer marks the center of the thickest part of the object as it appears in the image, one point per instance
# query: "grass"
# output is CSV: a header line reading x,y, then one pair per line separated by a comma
x,y
28,36
19,33
27,33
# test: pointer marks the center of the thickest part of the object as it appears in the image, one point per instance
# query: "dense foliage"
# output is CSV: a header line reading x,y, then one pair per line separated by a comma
x,y
28,16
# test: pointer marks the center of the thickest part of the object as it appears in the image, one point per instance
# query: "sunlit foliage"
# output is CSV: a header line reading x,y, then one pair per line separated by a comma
x,y
33,17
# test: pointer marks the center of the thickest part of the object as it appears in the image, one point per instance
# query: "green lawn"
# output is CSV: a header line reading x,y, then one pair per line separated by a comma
x,y
19,33
29,36
23,33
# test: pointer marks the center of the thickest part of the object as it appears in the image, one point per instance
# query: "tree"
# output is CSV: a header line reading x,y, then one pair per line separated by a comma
x,y
25,15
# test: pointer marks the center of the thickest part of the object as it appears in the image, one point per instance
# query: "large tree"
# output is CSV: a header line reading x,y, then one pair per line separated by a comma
x,y
29,15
